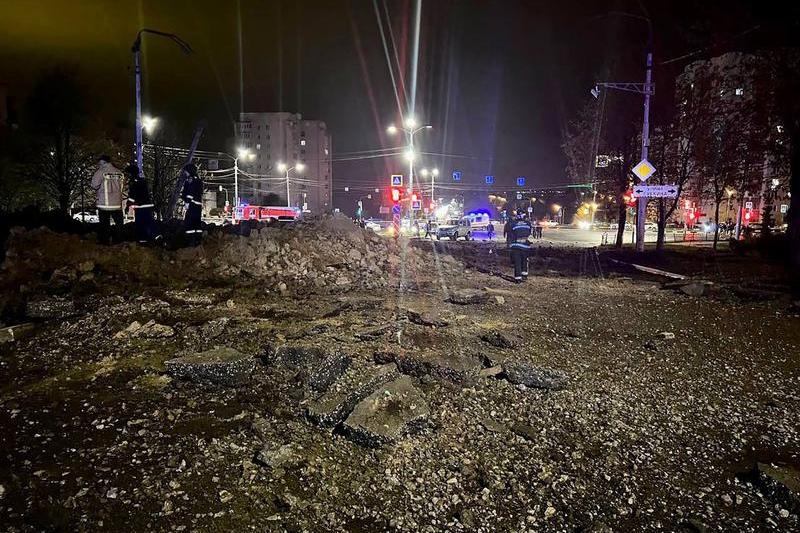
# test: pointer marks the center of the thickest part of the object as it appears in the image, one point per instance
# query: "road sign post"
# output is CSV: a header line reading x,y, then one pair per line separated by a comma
x,y
655,191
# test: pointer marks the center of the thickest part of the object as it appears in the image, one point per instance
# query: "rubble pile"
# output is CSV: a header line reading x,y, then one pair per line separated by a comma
x,y
330,254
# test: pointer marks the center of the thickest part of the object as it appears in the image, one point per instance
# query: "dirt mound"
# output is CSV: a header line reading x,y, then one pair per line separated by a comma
x,y
327,254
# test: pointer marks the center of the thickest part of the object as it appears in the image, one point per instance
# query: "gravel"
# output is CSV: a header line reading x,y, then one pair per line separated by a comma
x,y
96,435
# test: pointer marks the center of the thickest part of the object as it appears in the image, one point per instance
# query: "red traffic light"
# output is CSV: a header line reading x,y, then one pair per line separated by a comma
x,y
396,194
628,198
747,215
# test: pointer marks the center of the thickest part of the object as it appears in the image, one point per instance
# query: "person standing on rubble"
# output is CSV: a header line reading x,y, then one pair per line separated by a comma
x,y
107,185
139,199
192,196
519,247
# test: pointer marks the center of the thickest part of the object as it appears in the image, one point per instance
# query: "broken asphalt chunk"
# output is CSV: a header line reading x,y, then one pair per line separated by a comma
x,y
374,333
468,296
333,406
519,372
456,367
387,414
223,366
328,371
498,339
425,319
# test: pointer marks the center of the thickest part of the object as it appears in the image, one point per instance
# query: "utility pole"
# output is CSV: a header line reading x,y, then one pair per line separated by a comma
x,y
647,89
641,204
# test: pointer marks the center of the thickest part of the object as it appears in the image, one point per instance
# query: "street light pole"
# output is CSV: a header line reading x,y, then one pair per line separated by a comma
x,y
299,166
235,182
137,64
288,202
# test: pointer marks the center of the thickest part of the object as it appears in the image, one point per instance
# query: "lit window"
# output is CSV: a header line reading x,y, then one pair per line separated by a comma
x,y
303,142
739,91
258,147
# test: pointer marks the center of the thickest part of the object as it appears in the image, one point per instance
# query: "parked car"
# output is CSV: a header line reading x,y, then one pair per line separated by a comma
x,y
373,225
89,218
454,229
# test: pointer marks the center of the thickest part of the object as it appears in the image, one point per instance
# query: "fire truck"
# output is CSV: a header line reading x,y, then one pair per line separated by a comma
x,y
266,213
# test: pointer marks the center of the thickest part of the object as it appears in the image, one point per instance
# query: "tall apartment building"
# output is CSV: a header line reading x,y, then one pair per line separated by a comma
x,y
287,138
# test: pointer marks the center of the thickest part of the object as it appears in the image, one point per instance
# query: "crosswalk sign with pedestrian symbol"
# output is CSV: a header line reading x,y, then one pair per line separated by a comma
x,y
456,175
520,181
397,180
489,180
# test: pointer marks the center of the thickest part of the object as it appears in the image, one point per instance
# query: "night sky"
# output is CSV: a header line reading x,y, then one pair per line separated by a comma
x,y
498,80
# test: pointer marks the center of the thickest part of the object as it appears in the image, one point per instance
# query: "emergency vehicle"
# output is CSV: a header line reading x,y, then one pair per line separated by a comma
x,y
266,213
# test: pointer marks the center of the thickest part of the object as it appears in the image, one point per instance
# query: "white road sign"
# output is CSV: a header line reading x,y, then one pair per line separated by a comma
x,y
655,191
643,170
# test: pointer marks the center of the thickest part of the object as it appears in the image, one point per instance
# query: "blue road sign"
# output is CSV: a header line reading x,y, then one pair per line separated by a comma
x,y
416,205
395,209
521,181
397,180
456,175
489,180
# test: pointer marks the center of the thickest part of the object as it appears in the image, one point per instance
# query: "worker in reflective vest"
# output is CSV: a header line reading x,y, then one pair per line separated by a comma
x,y
139,199
107,185
193,198
519,247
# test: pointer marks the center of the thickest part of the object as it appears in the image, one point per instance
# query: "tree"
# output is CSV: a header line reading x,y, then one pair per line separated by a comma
x,y
162,167
785,73
57,107
673,150
730,145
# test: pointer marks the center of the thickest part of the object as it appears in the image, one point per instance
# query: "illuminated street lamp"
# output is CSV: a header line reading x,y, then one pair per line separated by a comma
x,y
149,124
246,155
409,128
283,167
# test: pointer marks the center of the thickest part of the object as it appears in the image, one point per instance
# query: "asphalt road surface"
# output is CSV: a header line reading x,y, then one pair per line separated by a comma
x,y
566,236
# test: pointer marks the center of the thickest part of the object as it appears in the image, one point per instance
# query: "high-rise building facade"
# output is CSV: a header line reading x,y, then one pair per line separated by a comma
x,y
287,138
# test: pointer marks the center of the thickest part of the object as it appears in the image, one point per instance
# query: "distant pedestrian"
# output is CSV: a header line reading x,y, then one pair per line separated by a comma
x,y
107,185
193,198
490,230
427,229
416,228
519,247
139,199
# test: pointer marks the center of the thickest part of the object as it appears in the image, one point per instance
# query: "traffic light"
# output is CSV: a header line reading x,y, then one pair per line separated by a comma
x,y
747,215
397,193
628,198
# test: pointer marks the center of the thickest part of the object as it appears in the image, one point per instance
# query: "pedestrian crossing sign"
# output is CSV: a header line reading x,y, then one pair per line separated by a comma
x,y
397,180
489,180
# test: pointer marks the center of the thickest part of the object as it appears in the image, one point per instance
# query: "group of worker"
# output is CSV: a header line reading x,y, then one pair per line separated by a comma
x,y
108,183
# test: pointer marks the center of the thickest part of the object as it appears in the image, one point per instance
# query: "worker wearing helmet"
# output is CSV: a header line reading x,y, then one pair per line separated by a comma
x,y
192,196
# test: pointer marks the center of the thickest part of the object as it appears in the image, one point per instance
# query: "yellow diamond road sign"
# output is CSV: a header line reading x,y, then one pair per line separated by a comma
x,y
644,169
